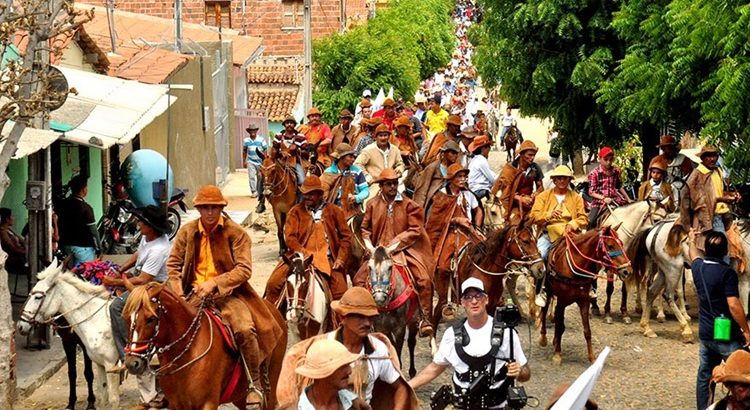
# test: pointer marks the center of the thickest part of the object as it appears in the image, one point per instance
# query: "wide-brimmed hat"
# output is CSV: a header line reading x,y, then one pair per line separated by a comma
x,y
420,98
469,133
454,120
345,114
382,128
455,169
289,118
342,150
313,111
251,127
209,195
323,358
388,102
735,369
374,121
666,140
154,217
658,163
402,121
562,171
356,300
450,146
311,183
388,174
708,149
365,102
479,142
527,145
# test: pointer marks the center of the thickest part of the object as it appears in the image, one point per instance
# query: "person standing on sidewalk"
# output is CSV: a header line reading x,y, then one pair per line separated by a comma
x,y
250,147
79,237
716,284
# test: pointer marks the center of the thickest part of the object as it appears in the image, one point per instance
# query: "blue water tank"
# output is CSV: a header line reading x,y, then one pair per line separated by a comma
x,y
141,173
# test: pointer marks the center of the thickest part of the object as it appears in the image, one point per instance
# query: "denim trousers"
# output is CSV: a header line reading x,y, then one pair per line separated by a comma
x,y
710,355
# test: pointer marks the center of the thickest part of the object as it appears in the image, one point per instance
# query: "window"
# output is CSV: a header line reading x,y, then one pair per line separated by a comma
x,y
218,13
293,17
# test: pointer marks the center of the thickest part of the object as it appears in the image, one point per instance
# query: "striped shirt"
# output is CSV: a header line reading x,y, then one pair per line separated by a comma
x,y
250,146
362,189
297,139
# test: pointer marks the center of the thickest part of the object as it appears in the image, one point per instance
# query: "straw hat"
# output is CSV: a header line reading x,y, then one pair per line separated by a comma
x,y
420,99
526,146
342,150
454,170
666,140
402,121
251,127
735,369
479,142
209,195
313,111
345,114
312,183
387,174
382,128
562,171
454,120
450,146
658,163
389,102
708,149
154,217
356,300
323,358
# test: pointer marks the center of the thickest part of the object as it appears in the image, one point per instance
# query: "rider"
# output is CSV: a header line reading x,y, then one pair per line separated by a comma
x,y
343,168
734,373
344,131
380,155
365,112
318,229
519,183
387,113
436,118
432,178
291,146
605,185
392,218
557,211
468,347
318,135
404,140
430,151
481,176
379,361
507,121
655,188
212,256
679,166
366,133
78,234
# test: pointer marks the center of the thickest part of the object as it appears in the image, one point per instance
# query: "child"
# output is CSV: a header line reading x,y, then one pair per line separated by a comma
x,y
605,185
654,189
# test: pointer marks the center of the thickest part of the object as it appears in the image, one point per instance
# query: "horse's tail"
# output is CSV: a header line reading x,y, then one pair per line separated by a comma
x,y
637,252
674,240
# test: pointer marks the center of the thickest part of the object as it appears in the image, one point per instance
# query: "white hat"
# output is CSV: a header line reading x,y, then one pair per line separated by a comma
x,y
367,93
472,283
420,99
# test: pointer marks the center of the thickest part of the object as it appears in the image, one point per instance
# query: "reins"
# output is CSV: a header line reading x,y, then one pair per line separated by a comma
x,y
286,174
52,321
606,257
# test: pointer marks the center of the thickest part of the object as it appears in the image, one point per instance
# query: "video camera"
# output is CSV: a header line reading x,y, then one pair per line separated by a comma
x,y
508,316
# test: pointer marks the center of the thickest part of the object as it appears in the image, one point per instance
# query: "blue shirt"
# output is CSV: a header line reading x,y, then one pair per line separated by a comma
x,y
714,282
346,398
250,145
362,190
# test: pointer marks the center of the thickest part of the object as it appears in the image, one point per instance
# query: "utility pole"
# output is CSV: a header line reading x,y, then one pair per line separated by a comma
x,y
342,15
178,25
307,82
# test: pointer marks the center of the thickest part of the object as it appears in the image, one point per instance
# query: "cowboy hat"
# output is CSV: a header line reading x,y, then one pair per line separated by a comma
x,y
342,150
735,369
345,114
455,169
479,142
382,128
389,102
526,146
658,163
312,183
374,121
323,358
209,195
562,171
469,132
366,93
454,120
365,103
450,146
708,149
666,140
420,99
154,217
313,111
251,127
289,118
402,121
388,174
356,300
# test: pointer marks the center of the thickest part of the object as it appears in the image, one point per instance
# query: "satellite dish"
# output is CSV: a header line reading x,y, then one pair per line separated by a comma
x,y
57,89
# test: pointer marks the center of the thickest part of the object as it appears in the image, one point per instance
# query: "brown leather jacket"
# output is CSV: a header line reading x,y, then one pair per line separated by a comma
x,y
429,181
698,202
508,184
299,224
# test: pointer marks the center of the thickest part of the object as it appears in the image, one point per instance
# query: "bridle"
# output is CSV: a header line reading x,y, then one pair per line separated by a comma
x,y
272,185
31,319
602,250
513,266
296,301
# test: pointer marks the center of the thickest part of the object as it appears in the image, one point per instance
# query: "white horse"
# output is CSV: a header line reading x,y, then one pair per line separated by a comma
x,y
86,308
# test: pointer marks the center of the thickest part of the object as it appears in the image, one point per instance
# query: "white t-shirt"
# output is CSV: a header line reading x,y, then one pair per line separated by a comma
x,y
379,366
507,120
152,257
479,345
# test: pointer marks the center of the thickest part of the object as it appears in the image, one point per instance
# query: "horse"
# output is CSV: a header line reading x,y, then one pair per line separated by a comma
x,y
744,274
199,367
397,301
630,220
85,308
573,264
306,307
280,188
510,141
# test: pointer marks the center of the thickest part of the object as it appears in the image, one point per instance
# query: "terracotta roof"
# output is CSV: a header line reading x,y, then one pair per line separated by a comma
x,y
277,101
275,74
133,26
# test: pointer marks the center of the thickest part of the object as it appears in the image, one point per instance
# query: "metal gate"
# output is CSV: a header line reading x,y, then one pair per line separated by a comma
x,y
243,118
219,79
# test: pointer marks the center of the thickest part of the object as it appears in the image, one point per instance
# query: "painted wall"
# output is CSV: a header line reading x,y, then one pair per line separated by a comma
x,y
70,166
18,171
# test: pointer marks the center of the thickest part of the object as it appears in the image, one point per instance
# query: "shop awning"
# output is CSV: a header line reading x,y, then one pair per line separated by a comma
x,y
32,140
107,110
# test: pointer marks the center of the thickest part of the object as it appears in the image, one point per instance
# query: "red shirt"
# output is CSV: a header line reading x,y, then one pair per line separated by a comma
x,y
387,121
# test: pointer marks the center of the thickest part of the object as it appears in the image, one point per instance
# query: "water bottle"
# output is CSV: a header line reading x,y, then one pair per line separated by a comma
x,y
722,328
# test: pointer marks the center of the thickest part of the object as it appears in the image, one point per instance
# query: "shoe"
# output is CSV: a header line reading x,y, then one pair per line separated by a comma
x,y
253,195
592,294
261,208
425,329
541,299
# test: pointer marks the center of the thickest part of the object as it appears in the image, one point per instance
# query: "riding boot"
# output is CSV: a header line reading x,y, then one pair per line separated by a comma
x,y
424,290
261,206
541,294
250,352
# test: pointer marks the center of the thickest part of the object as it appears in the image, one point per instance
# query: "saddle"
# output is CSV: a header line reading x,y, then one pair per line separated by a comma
x,y
226,332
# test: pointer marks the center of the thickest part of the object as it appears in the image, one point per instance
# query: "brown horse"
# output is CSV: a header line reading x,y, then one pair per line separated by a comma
x,y
280,188
573,264
199,368
510,141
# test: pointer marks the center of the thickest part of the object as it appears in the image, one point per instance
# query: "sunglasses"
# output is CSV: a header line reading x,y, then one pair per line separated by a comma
x,y
473,296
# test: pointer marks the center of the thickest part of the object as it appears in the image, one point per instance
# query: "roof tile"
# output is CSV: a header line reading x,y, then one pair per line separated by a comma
x,y
278,102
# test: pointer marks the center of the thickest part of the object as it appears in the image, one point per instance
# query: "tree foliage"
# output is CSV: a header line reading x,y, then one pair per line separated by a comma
x,y
401,46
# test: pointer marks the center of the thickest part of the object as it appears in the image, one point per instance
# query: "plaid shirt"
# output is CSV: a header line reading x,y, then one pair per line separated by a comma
x,y
606,184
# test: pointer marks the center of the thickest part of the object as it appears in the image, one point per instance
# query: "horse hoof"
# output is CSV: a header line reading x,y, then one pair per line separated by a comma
x,y
595,311
687,338
661,319
556,359
543,341
649,333
608,320
627,320
412,373
91,406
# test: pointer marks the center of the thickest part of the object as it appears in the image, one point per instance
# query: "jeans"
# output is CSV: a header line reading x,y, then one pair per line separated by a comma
x,y
300,173
119,329
710,355
80,254
482,194
593,216
253,177
544,244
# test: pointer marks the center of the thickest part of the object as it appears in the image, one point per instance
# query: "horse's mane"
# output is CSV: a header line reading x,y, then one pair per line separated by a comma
x,y
380,255
491,244
78,283
139,299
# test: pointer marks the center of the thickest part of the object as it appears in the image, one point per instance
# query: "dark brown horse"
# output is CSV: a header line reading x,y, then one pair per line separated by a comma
x,y
573,264
510,141
280,188
198,368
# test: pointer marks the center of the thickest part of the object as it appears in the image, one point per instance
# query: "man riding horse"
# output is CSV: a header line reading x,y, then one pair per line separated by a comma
x,y
318,136
432,177
431,150
212,257
343,177
391,218
316,229
291,147
519,183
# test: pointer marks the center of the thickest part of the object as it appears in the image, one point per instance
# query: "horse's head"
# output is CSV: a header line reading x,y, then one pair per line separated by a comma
x,y
42,303
267,169
522,250
297,285
612,254
144,308
381,267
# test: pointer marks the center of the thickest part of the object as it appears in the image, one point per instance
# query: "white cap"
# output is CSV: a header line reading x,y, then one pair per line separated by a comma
x,y
367,93
472,283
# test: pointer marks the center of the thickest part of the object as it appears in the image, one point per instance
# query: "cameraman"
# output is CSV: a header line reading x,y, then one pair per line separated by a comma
x,y
477,329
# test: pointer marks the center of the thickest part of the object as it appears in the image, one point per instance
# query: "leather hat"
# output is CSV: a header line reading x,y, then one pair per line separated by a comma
x,y
450,146
402,121
526,146
342,150
561,171
365,102
454,120
345,114
251,127
708,149
735,369
311,183
374,121
666,140
388,102
356,300
455,169
323,358
388,174
479,142
289,118
209,195
382,128
154,217
658,163
314,111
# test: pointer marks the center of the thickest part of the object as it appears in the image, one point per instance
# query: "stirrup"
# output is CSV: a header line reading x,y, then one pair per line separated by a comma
x,y
448,312
425,329
252,391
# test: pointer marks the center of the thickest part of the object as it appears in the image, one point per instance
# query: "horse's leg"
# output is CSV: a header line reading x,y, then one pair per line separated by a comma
x,y
624,304
559,330
744,286
88,373
113,389
653,291
441,289
412,343
280,218
399,334
681,296
511,285
608,304
543,326
70,342
101,379
584,307
673,286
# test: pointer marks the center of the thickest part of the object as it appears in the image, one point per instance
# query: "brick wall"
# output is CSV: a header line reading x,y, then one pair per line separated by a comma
x,y
263,18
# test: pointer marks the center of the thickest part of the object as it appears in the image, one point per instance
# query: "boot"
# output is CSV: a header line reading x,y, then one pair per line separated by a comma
x,y
250,352
261,207
425,305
